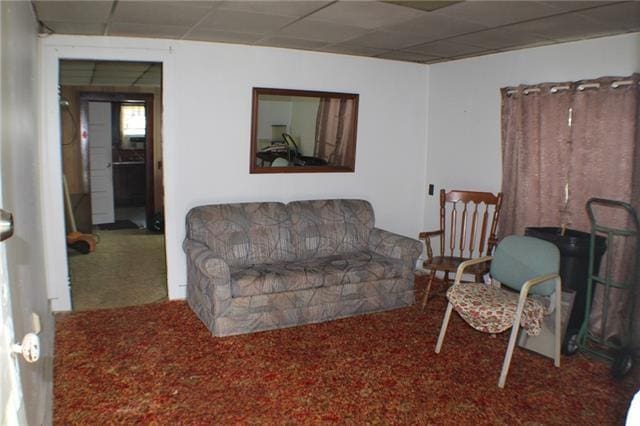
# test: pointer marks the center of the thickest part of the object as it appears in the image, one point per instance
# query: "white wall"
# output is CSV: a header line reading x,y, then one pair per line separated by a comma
x,y
464,105
21,195
303,123
207,123
270,113
297,113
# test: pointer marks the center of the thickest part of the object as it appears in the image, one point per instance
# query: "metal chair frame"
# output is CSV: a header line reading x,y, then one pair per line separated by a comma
x,y
524,292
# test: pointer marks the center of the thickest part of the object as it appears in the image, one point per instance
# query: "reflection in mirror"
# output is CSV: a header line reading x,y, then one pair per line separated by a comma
x,y
297,131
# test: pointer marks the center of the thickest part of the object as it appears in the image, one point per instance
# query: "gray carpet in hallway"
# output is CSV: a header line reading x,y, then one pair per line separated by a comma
x,y
127,268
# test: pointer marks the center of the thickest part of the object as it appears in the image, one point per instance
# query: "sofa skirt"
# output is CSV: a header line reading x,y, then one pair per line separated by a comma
x,y
287,309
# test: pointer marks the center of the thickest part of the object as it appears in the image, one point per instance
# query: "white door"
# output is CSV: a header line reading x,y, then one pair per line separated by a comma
x,y
11,398
100,157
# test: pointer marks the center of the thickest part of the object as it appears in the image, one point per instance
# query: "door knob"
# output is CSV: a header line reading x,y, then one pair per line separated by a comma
x,y
29,348
6,225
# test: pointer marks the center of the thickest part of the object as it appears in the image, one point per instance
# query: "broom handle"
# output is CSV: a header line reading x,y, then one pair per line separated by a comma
x,y
67,205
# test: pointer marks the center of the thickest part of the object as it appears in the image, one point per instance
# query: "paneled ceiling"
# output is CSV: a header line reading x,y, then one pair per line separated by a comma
x,y
110,73
415,31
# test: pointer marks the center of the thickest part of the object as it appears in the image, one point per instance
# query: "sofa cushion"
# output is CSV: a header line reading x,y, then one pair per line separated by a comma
x,y
243,233
325,271
330,227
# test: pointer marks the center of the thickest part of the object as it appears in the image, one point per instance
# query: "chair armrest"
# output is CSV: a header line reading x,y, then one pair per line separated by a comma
x,y
394,245
426,237
468,263
429,234
557,305
524,291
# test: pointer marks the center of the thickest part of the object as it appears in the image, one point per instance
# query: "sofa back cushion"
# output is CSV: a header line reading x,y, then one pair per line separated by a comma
x,y
330,227
243,233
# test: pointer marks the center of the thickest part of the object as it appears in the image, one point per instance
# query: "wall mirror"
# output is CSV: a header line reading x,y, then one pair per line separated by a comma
x,y
299,131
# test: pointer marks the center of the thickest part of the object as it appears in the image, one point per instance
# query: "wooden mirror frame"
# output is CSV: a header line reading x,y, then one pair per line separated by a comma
x,y
350,151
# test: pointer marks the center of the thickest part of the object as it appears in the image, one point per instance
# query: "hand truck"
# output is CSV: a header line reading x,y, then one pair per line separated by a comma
x,y
599,345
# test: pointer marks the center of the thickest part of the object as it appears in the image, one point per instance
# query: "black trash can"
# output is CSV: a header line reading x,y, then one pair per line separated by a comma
x,y
574,264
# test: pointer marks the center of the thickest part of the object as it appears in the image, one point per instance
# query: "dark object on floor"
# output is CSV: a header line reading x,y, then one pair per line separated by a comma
x,y
118,224
156,224
138,367
574,264
84,243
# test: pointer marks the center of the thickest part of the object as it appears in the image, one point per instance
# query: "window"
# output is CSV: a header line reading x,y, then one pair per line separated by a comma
x,y
133,120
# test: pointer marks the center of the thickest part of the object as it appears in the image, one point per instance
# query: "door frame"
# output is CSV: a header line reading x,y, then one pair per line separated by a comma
x,y
150,158
52,50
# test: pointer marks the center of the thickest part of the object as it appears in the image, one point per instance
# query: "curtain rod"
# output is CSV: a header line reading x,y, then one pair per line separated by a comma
x,y
581,87
588,86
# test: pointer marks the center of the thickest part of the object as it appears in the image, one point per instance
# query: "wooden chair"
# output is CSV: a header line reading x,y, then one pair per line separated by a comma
x,y
469,233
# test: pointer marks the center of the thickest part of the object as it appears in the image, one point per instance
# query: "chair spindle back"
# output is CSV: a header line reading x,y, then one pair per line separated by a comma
x,y
473,219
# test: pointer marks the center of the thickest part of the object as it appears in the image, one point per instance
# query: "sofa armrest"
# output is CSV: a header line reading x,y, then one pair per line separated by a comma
x,y
208,281
205,260
395,246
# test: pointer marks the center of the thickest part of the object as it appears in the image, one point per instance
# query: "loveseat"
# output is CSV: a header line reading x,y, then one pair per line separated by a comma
x,y
261,266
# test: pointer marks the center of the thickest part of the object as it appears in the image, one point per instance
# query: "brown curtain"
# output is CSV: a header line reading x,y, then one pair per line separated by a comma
x,y
333,130
562,144
604,164
535,150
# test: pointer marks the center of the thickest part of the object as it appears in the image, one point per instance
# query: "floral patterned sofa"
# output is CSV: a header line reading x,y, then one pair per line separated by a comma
x,y
260,266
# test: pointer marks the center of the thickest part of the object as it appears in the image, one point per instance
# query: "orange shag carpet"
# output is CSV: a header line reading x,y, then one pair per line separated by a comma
x,y
159,364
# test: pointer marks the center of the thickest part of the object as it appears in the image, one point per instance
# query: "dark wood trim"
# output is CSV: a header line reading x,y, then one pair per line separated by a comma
x,y
123,97
254,132
350,156
304,93
305,169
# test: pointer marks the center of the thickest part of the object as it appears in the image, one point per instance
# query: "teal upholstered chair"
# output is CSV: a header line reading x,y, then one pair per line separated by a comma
x,y
527,269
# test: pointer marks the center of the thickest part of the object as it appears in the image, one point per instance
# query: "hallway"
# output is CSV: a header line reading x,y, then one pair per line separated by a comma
x,y
127,268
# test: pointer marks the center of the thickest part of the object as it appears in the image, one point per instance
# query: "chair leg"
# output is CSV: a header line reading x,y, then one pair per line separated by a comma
x,y
426,292
507,357
443,328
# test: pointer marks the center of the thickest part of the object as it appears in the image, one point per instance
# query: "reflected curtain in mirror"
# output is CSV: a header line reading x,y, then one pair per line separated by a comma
x,y
333,129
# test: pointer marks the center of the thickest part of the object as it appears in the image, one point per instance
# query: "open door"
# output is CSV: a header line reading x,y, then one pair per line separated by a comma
x,y
100,159
12,409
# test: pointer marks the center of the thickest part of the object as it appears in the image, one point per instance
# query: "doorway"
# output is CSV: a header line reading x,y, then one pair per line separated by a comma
x,y
112,148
